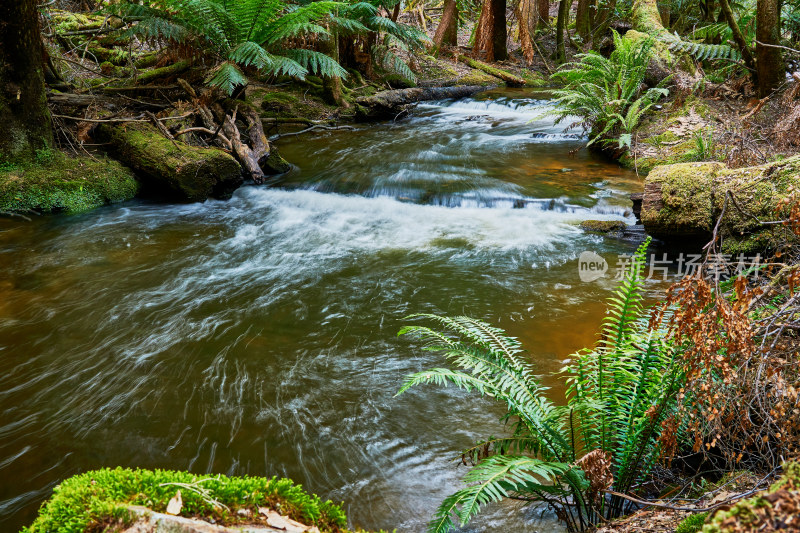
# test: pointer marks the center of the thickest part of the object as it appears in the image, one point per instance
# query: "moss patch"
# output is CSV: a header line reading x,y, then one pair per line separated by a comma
x,y
686,199
602,226
692,523
772,510
98,497
64,183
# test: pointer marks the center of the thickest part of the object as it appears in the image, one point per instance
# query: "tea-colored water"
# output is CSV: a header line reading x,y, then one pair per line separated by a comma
x,y
258,335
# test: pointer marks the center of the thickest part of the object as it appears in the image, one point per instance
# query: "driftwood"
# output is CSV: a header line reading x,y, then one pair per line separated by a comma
x,y
389,104
257,157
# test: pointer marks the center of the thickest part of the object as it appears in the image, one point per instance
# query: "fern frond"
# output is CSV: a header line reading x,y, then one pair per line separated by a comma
x,y
226,77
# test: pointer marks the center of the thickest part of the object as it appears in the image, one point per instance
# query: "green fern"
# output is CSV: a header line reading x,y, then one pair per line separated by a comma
x,y
703,51
619,393
605,93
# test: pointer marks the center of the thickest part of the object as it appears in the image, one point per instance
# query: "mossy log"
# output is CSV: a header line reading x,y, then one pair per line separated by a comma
x,y
510,79
149,76
388,104
188,172
685,200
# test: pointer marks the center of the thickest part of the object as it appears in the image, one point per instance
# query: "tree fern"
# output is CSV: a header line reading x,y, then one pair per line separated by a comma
x,y
618,395
245,34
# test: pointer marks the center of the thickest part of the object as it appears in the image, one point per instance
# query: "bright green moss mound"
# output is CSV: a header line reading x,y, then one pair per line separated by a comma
x,y
101,496
57,182
692,523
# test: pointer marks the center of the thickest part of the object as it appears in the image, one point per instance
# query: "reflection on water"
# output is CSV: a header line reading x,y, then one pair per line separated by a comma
x,y
257,336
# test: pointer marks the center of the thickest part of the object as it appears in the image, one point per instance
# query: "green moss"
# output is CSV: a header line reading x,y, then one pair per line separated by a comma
x,y
99,496
686,198
602,226
396,81
477,77
745,515
532,78
57,182
692,523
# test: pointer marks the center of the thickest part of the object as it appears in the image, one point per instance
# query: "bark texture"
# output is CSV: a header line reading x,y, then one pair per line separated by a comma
x,y
543,6
447,31
526,19
771,70
23,105
491,36
561,27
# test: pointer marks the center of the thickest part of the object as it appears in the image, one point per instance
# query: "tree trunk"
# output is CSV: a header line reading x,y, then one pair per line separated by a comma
x,y
583,21
332,85
561,27
447,31
23,104
737,35
525,17
602,9
543,7
771,70
490,35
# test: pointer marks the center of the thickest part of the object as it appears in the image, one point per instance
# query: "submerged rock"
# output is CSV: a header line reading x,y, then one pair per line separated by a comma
x,y
602,226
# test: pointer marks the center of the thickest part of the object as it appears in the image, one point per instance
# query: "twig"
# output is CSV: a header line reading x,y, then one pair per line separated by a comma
x,y
312,128
135,119
778,46
647,503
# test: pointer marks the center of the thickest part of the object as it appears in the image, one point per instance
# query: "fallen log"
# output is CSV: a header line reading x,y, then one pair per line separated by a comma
x,y
685,201
170,166
509,78
389,104
148,76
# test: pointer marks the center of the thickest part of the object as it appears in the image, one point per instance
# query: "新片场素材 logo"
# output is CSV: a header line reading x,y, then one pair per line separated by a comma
x,y
591,266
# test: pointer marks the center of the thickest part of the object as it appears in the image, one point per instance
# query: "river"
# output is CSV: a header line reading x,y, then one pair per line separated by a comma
x,y
258,335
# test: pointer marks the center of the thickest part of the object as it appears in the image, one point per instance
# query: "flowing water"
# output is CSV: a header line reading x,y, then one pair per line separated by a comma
x,y
258,335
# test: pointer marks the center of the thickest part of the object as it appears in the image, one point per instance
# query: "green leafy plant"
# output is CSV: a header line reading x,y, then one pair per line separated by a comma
x,y
607,436
258,34
605,93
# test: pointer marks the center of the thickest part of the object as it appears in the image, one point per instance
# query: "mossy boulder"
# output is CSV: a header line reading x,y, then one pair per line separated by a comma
x,y
60,182
94,500
602,226
686,199
186,172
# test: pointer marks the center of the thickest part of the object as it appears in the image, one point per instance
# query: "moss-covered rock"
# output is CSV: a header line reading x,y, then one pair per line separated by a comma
x,y
65,183
685,200
173,167
95,499
602,226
